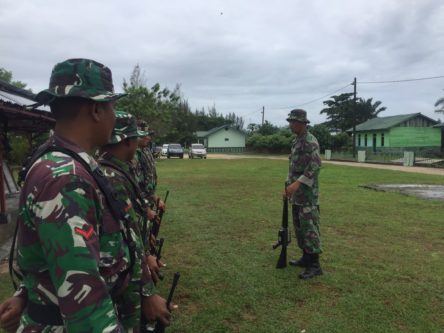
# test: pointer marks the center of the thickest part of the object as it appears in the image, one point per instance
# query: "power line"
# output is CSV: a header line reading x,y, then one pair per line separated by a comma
x,y
313,100
359,82
405,80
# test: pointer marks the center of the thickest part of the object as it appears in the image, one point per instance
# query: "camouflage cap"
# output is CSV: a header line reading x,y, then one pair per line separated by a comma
x,y
143,126
298,115
79,78
125,127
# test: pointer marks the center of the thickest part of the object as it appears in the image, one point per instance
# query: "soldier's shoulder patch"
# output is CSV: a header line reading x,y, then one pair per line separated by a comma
x,y
87,232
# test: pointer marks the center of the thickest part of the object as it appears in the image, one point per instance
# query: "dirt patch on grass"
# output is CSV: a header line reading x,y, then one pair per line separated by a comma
x,y
422,191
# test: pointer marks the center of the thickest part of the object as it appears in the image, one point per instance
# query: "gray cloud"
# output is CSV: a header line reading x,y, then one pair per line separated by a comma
x,y
239,55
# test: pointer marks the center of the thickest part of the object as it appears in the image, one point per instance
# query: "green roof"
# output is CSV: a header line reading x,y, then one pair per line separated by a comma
x,y
383,123
204,134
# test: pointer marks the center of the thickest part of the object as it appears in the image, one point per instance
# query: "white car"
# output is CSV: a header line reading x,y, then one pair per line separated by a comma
x,y
197,150
164,150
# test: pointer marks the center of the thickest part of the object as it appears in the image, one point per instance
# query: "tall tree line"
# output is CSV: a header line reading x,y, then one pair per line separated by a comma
x,y
168,112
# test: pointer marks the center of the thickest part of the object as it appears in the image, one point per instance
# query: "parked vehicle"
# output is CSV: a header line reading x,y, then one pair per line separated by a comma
x,y
157,151
175,149
164,150
197,150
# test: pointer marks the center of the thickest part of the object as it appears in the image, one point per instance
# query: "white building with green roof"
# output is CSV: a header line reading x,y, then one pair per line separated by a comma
x,y
222,139
403,132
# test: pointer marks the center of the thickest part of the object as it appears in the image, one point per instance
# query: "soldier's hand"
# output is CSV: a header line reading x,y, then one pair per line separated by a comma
x,y
154,308
154,267
293,187
161,205
10,312
152,214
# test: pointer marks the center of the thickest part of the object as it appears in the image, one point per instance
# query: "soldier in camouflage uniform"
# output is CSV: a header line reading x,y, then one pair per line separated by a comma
x,y
145,169
115,160
72,253
303,190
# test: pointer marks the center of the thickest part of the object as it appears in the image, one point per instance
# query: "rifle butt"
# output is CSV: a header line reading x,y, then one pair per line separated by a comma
x,y
282,261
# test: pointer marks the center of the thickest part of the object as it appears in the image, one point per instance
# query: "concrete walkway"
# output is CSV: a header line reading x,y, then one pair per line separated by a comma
x,y
414,169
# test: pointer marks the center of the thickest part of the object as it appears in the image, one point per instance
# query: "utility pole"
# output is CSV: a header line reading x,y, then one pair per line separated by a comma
x,y
263,114
354,118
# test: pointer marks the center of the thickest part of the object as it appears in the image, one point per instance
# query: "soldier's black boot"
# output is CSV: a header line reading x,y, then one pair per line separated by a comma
x,y
313,268
301,262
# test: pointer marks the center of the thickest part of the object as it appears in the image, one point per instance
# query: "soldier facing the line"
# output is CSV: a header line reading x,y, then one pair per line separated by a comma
x,y
303,191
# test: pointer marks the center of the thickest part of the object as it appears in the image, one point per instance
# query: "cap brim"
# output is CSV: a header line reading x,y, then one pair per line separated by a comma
x,y
304,122
47,96
142,133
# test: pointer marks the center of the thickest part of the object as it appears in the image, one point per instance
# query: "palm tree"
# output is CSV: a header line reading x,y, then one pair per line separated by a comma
x,y
440,103
368,110
341,113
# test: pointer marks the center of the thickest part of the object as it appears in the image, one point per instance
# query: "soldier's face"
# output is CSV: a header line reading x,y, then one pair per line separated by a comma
x,y
296,127
108,118
132,146
143,142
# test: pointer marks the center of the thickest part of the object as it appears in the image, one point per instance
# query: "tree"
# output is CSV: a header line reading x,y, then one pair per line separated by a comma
x,y
366,109
6,75
341,112
322,133
440,105
252,127
168,112
267,128
235,121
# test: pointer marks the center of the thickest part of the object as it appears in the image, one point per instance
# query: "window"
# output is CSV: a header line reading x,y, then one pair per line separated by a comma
x,y
359,140
365,140
227,139
382,139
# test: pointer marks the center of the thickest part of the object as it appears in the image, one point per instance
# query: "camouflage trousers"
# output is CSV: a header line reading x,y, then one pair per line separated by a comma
x,y
306,222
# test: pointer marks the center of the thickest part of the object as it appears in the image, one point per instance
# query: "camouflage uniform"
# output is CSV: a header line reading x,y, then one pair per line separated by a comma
x,y
117,172
145,170
71,251
304,166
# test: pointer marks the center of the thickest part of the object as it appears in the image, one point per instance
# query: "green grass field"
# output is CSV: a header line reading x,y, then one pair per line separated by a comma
x,y
383,252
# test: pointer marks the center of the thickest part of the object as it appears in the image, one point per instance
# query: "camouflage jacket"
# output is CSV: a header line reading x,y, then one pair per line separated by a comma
x,y
140,283
69,248
305,163
144,168
136,207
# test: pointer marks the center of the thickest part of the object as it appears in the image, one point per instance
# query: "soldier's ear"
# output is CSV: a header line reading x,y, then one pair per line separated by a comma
x,y
95,111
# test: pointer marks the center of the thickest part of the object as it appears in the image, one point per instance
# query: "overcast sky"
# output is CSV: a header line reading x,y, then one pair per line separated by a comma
x,y
240,55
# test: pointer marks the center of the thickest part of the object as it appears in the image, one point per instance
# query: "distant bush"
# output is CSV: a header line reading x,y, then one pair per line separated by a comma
x,y
277,143
19,150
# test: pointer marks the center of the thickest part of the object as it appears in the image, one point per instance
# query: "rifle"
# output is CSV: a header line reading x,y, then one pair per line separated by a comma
x,y
160,327
283,237
159,213
158,256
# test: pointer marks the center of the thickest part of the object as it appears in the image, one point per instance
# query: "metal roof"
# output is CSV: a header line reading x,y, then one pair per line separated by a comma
x,y
17,117
382,123
204,134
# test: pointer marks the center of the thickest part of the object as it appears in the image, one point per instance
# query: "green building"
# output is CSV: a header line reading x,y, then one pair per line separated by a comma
x,y
222,139
412,132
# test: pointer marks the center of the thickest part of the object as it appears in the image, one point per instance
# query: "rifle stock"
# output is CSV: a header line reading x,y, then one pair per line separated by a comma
x,y
283,237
